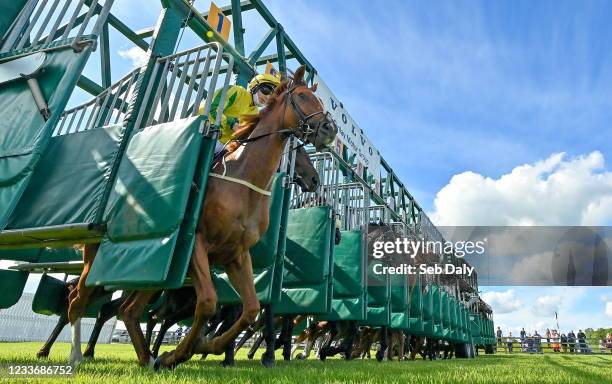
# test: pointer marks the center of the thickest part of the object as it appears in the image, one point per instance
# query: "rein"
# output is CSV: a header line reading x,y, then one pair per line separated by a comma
x,y
302,124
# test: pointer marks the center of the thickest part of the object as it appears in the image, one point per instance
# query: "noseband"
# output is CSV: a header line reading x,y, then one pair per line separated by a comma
x,y
303,128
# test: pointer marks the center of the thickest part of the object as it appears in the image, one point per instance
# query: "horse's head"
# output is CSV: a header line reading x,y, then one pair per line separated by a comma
x,y
306,176
305,115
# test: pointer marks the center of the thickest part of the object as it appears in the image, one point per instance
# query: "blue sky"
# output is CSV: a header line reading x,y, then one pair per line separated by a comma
x,y
490,112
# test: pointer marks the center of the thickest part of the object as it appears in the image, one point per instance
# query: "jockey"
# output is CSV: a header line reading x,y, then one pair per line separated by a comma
x,y
241,102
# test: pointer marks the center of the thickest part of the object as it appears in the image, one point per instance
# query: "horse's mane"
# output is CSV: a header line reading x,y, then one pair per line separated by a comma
x,y
249,122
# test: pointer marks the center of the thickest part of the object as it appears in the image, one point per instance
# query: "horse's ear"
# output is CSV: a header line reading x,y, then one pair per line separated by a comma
x,y
298,76
314,87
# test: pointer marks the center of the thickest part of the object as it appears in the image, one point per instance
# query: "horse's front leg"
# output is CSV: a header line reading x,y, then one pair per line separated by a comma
x,y
240,274
132,310
206,303
79,299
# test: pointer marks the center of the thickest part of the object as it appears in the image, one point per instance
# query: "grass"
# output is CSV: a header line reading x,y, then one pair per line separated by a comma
x,y
115,364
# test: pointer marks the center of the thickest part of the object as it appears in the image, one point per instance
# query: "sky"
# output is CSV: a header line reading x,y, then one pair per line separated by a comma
x,y
490,112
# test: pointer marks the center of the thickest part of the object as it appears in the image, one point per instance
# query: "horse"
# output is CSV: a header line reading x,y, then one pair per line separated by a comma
x,y
178,304
235,215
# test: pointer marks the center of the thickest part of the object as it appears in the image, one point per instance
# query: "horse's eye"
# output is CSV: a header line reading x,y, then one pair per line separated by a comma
x,y
302,96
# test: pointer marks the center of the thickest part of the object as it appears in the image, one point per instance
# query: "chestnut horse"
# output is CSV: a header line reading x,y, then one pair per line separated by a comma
x,y
235,216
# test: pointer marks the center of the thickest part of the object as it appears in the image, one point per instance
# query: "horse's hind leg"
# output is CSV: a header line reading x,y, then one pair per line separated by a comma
x,y
241,276
46,348
206,302
79,299
107,311
132,309
267,359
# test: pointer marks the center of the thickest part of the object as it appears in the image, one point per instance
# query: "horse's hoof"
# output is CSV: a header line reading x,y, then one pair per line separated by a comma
x,y
250,357
228,363
301,356
267,362
42,355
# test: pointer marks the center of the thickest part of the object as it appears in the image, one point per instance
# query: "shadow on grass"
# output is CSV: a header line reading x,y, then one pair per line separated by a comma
x,y
593,377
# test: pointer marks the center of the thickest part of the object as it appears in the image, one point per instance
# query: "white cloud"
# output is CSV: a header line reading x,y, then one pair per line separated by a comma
x,y
136,55
502,302
559,190
546,305
609,309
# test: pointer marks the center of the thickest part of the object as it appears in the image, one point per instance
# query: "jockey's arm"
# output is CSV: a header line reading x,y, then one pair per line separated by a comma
x,y
238,102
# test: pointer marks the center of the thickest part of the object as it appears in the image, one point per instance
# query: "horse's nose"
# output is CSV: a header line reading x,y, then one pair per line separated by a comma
x,y
315,181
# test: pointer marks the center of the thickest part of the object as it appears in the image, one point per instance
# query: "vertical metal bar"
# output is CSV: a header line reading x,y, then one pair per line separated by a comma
x,y
158,92
213,82
20,23
70,24
45,22
179,87
92,8
238,30
280,48
191,85
33,21
82,110
126,93
166,101
111,107
59,19
101,21
202,84
147,95
105,63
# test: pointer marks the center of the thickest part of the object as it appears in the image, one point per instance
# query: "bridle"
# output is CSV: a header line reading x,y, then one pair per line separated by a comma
x,y
302,130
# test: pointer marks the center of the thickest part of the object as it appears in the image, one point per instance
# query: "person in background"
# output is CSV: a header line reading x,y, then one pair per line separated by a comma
x,y
571,339
537,342
582,341
564,342
547,334
556,347
500,342
509,342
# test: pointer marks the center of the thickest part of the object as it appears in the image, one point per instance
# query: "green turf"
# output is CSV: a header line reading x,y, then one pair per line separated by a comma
x,y
115,364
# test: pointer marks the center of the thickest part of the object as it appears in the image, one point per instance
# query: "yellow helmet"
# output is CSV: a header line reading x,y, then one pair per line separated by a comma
x,y
264,78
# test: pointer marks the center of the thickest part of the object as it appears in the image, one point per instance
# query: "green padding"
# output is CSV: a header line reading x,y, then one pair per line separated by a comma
x,y
415,325
400,297
147,206
313,300
50,296
347,309
28,255
444,302
263,255
349,294
24,132
69,183
349,271
11,286
52,255
428,304
153,182
436,304
308,246
379,299
307,277
10,11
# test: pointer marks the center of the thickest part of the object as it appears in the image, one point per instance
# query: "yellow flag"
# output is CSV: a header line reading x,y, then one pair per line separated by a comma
x,y
218,21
